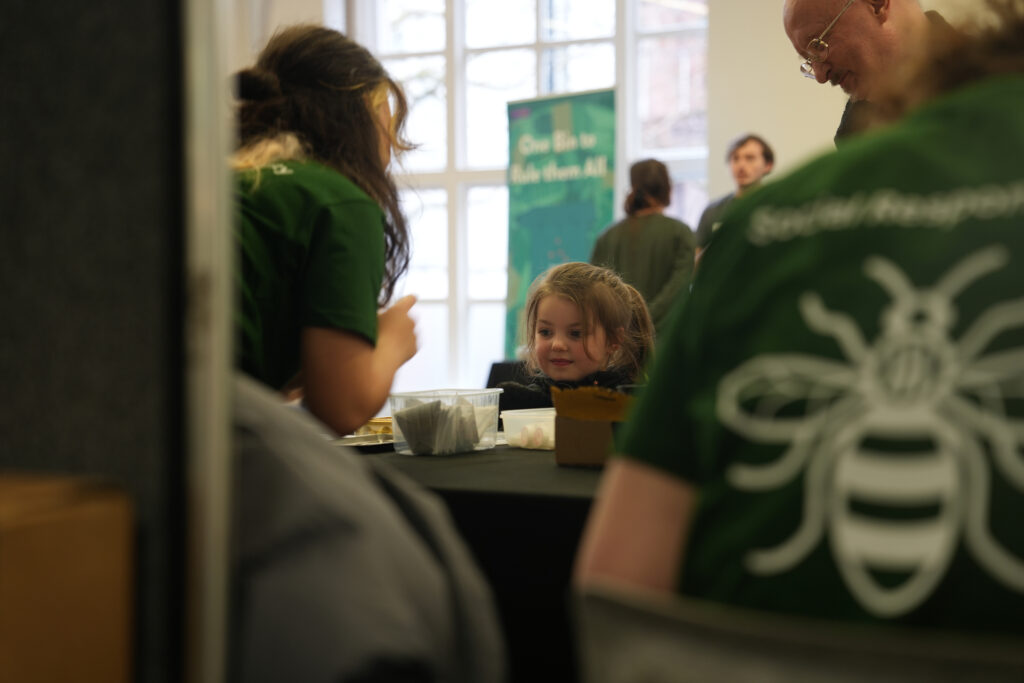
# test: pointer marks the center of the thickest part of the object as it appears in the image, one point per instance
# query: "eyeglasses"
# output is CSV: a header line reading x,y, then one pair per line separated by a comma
x,y
817,49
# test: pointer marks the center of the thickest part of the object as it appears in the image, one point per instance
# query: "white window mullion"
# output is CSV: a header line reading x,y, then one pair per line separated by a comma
x,y
458,306
546,44
455,74
362,17
456,180
473,177
539,49
456,69
627,137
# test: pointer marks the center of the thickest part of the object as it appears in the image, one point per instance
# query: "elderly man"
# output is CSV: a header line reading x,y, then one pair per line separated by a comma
x,y
855,43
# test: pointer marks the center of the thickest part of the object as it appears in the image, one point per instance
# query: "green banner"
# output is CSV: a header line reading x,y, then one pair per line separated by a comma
x,y
561,188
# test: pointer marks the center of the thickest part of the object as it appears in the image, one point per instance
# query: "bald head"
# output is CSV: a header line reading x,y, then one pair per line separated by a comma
x,y
828,7
868,40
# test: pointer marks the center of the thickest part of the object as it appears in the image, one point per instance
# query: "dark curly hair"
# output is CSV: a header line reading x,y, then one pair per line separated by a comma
x,y
323,88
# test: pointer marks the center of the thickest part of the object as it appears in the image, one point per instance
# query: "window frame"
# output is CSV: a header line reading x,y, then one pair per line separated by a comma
x,y
457,177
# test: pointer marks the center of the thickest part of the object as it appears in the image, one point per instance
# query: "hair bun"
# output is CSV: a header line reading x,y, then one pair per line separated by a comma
x,y
255,85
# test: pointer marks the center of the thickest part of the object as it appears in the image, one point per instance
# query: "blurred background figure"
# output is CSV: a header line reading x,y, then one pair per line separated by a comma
x,y
840,432
854,44
343,570
750,159
651,251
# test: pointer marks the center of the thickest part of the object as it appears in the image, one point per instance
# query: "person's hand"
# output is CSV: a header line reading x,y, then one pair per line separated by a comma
x,y
397,330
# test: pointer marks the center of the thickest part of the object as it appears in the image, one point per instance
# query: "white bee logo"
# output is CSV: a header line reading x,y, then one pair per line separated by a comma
x,y
934,401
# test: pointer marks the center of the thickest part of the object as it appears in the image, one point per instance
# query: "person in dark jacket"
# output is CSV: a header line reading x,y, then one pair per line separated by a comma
x,y
651,251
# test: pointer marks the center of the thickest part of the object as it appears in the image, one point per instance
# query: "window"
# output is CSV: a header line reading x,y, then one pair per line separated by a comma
x,y
461,62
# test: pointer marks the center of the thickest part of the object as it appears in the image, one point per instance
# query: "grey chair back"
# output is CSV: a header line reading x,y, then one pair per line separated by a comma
x,y
634,638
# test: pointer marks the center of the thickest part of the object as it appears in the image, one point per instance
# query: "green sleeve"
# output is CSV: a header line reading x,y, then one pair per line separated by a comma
x,y
345,269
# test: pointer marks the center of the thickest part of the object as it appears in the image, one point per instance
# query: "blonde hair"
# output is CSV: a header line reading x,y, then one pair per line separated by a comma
x,y
385,92
605,300
284,147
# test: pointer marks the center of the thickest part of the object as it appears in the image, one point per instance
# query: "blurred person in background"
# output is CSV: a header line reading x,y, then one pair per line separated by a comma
x,y
841,433
343,570
651,251
750,159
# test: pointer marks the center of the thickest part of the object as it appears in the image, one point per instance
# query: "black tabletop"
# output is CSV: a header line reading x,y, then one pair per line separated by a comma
x,y
500,470
522,515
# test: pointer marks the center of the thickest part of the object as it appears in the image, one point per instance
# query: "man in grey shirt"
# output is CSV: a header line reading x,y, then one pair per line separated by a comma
x,y
750,158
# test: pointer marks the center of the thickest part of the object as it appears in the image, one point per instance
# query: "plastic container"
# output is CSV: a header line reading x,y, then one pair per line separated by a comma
x,y
530,428
444,421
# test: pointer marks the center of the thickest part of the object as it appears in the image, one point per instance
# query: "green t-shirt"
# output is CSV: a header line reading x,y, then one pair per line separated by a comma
x,y
311,254
845,384
653,253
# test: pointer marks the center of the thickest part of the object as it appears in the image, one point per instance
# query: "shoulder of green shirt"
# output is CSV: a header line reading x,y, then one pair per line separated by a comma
x,y
313,176
828,174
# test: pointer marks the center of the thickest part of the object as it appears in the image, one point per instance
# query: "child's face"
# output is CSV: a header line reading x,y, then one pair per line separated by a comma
x,y
560,345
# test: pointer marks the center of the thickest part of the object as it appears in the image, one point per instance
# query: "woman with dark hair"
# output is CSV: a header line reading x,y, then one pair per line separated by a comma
x,y
650,250
322,240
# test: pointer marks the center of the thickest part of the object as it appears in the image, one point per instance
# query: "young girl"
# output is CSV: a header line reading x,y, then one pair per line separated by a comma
x,y
321,238
584,327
